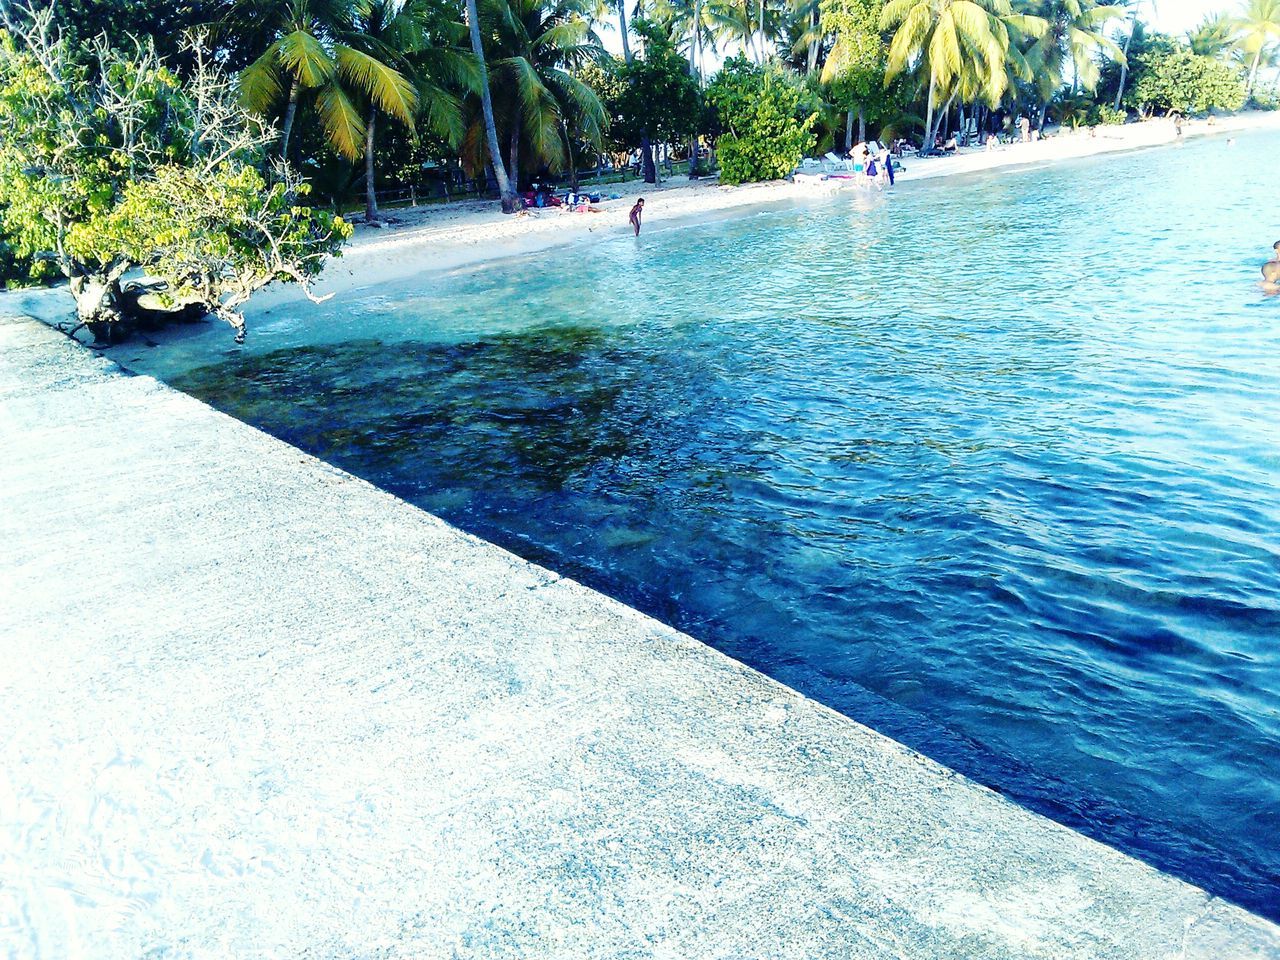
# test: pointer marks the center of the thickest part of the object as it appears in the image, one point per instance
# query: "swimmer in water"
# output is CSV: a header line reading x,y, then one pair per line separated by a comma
x,y
1271,271
1271,276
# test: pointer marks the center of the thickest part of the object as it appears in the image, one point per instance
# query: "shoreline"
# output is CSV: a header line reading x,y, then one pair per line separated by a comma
x,y
440,238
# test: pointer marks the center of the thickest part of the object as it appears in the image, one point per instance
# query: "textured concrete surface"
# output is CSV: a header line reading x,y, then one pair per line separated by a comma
x,y
255,707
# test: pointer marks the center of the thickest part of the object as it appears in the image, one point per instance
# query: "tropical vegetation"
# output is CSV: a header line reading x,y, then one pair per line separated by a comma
x,y
150,194
376,102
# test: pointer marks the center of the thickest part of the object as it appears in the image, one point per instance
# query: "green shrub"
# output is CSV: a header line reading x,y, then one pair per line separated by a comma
x,y
765,127
1109,117
1187,82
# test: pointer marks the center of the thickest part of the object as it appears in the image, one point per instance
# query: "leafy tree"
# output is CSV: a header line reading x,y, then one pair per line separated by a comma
x,y
659,99
1187,82
855,67
766,132
123,168
608,81
81,22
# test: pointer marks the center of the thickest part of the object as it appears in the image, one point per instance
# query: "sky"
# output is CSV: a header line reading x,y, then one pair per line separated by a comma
x,y
1167,16
1179,16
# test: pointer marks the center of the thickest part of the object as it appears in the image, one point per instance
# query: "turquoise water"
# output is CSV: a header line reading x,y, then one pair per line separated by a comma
x,y
992,465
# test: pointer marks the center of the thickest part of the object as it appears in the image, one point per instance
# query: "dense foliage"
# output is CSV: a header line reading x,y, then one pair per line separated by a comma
x,y
766,132
660,100
146,192
1187,82
406,99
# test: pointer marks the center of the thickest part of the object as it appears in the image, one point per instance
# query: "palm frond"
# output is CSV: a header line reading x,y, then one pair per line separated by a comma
x,y
384,85
343,125
305,58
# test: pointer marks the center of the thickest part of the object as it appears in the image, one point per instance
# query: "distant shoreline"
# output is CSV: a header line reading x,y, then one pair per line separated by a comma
x,y
436,238
449,236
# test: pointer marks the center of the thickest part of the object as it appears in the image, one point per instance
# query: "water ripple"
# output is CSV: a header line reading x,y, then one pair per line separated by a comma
x,y
992,467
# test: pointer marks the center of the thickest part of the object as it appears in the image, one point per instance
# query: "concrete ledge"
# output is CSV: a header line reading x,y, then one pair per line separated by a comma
x,y
255,707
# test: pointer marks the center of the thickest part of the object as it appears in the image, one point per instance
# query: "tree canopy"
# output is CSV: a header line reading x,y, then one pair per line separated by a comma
x,y
144,190
760,110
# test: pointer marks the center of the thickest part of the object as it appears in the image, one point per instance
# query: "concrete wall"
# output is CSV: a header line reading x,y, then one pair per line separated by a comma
x,y
255,707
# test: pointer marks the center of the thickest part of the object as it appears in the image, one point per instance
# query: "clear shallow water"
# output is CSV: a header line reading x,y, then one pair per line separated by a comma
x,y
991,465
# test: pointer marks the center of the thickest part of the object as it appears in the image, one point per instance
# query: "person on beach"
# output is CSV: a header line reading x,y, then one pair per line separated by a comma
x,y
1024,127
886,171
636,212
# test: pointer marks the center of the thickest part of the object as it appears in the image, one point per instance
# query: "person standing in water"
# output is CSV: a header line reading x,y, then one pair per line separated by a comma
x,y
636,213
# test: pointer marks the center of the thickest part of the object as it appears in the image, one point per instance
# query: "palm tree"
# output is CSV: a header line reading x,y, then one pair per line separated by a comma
x,y
399,32
510,202
622,29
732,22
1074,36
1135,7
964,46
1259,25
544,42
807,17
313,53
1214,36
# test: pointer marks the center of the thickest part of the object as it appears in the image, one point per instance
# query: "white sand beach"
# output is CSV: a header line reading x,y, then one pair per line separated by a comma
x,y
436,237
447,236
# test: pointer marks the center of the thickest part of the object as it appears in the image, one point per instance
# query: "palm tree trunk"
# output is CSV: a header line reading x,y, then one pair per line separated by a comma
x,y
370,195
928,120
697,39
513,150
510,202
289,113
862,125
1253,73
762,31
848,131
1124,64
693,72
622,28
573,162
646,158
815,22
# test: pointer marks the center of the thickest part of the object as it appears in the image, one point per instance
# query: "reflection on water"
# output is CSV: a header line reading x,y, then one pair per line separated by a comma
x,y
991,467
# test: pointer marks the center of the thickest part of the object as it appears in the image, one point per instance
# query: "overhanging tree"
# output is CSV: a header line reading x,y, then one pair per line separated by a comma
x,y
147,193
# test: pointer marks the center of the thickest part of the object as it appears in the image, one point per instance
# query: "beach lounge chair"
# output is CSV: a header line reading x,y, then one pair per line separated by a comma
x,y
832,162
810,165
